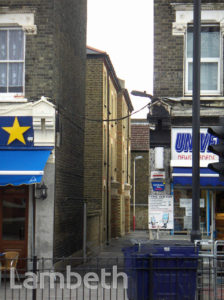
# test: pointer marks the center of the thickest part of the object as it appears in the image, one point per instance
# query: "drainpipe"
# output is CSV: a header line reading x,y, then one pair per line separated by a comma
x,y
84,230
33,223
128,136
108,161
171,193
213,227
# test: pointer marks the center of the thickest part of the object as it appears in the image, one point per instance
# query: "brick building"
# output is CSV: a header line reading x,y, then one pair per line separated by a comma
x,y
42,54
171,112
107,151
140,147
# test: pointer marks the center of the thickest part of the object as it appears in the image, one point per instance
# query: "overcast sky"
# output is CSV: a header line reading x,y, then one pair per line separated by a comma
x,y
124,29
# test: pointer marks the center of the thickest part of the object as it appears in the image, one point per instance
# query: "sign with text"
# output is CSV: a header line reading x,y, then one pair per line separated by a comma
x,y
157,174
158,186
181,147
185,202
187,222
161,212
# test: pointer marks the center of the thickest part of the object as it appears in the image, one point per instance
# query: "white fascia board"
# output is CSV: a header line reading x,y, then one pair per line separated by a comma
x,y
39,110
190,175
188,163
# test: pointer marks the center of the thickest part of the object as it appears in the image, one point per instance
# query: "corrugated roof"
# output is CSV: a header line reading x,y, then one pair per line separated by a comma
x,y
140,137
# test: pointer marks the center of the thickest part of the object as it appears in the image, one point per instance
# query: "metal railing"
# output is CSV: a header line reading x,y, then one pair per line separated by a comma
x,y
211,270
65,278
103,278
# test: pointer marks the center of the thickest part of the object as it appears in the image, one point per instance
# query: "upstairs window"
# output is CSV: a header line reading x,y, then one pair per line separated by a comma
x,y
210,60
12,60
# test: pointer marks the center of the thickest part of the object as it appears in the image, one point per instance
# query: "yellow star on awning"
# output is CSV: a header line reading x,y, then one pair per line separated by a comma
x,y
16,132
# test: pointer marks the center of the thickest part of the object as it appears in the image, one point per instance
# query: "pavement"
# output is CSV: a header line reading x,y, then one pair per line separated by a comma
x,y
108,257
114,249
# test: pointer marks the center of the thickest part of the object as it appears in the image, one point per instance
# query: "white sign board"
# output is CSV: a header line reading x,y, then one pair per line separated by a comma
x,y
188,202
161,212
181,147
157,174
187,222
188,211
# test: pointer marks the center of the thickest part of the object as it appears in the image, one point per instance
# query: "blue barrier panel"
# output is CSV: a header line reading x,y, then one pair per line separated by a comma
x,y
129,270
161,272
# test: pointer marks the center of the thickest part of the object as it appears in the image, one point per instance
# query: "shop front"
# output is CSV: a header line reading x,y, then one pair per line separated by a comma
x,y
26,149
211,188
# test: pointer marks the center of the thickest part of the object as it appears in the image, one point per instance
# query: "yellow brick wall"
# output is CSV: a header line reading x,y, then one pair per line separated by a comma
x,y
106,170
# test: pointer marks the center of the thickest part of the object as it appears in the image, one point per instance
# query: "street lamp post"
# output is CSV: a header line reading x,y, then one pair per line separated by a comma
x,y
135,158
195,232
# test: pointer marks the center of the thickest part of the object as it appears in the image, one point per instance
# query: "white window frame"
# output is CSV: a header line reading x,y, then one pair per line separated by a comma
x,y
211,13
23,18
204,60
7,61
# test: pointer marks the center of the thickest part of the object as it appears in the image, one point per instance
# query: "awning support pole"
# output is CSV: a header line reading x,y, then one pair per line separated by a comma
x,y
208,212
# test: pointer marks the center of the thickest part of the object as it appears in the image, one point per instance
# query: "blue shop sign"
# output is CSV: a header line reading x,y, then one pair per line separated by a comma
x,y
158,186
20,161
16,131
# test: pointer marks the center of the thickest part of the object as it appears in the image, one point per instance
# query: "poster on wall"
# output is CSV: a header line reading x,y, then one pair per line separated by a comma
x,y
161,212
187,222
187,204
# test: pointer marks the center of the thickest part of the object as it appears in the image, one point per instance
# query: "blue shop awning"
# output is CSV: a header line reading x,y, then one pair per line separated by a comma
x,y
23,165
183,176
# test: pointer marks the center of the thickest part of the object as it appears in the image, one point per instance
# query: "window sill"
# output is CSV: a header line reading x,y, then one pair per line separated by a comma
x,y
12,98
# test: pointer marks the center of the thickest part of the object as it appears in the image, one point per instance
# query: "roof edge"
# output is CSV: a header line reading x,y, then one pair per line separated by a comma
x,y
97,53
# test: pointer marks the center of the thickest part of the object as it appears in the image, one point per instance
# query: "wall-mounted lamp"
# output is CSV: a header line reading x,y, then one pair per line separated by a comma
x,y
41,191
